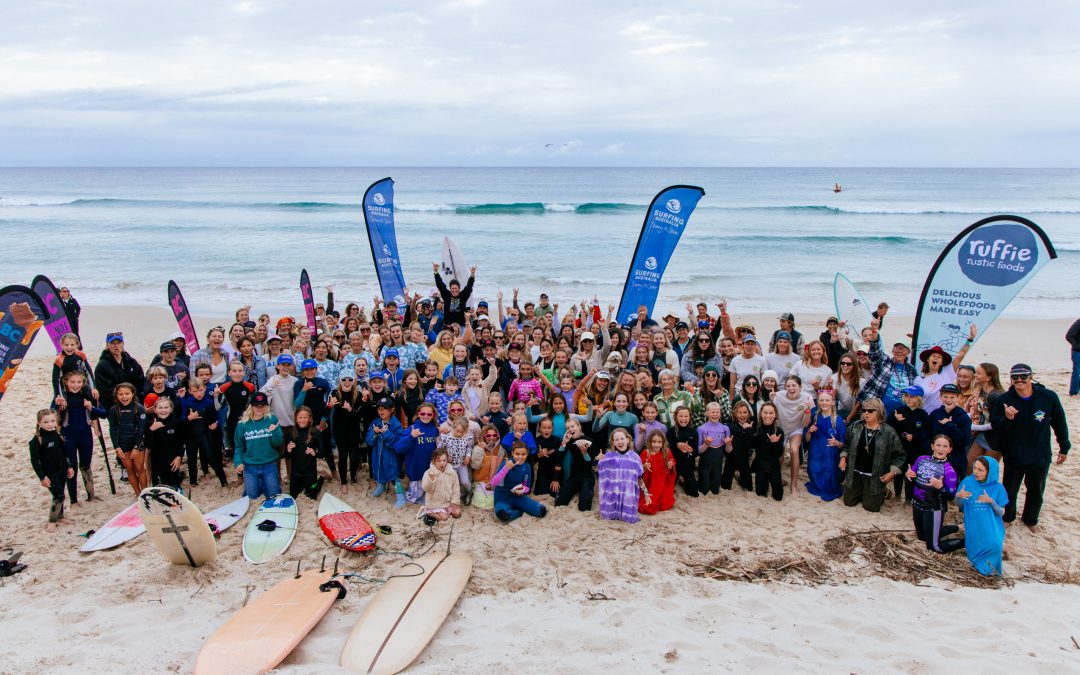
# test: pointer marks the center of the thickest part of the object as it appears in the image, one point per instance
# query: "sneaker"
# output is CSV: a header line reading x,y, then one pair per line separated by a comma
x,y
430,521
399,503
123,474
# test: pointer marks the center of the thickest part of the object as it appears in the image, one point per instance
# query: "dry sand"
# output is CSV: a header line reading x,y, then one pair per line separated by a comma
x,y
527,606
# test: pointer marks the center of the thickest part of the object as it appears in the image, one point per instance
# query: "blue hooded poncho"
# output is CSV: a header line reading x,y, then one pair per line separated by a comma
x,y
984,531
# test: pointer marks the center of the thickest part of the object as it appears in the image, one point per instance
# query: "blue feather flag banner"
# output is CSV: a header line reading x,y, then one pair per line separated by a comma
x,y
664,223
379,218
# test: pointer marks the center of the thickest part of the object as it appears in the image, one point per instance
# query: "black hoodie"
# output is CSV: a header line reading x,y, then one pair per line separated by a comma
x,y
1026,438
108,373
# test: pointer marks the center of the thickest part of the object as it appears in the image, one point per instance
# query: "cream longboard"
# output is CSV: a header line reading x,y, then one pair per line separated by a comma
x,y
177,527
406,613
259,636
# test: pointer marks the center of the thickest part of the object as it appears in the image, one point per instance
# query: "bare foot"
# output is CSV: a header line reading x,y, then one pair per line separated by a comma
x,y
1034,529
1004,552
76,505
65,521
50,527
344,489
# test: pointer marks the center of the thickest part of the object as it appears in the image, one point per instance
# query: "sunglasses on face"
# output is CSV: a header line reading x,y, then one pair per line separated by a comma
x,y
751,384
704,340
424,414
846,363
868,412
1020,378
491,435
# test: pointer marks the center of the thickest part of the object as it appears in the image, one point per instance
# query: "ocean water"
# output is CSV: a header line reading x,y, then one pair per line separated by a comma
x,y
765,239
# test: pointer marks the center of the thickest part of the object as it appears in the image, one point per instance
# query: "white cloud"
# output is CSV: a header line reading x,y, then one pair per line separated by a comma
x,y
763,82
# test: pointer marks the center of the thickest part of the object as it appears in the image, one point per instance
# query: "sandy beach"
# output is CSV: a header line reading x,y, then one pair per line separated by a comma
x,y
569,593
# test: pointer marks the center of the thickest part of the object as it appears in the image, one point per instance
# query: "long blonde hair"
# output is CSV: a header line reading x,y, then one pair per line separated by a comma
x,y
42,414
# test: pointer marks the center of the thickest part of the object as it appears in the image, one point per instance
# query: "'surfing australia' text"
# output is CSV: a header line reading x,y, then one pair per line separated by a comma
x,y
662,216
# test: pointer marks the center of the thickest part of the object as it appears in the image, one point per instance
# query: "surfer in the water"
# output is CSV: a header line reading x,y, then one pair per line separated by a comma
x,y
837,188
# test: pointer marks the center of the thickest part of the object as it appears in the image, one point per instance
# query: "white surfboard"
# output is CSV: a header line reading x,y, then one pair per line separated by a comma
x,y
224,517
851,307
177,527
278,518
453,264
399,622
121,528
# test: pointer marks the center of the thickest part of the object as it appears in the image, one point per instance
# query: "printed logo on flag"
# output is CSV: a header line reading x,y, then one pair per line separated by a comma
x,y
998,255
379,199
386,249
674,205
650,263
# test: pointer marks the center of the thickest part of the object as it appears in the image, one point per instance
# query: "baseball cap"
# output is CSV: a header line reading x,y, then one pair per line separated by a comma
x,y
487,343
749,337
285,358
831,319
513,345
260,398
384,402
588,336
306,363
783,335
178,336
1020,369
603,375
703,324
273,337
787,316
167,345
543,296
377,375
391,352
902,344
950,389
482,303
425,301
250,324
114,337
681,325
699,362
915,390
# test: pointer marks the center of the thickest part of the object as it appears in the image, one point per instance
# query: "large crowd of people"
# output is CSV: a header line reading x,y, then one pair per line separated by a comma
x,y
449,403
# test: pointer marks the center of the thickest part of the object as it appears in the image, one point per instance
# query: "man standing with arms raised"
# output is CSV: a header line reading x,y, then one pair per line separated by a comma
x,y
1022,418
454,298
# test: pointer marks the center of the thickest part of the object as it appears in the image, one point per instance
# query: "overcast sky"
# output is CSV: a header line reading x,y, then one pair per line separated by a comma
x,y
677,83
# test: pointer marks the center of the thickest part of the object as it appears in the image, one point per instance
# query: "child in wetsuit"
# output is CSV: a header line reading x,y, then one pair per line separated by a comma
x,y
165,443
512,482
50,463
303,450
127,428
79,414
935,483
200,417
769,447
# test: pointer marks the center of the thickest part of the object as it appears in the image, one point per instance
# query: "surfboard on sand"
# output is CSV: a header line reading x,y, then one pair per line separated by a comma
x,y
224,517
122,527
344,526
260,635
271,529
399,622
177,527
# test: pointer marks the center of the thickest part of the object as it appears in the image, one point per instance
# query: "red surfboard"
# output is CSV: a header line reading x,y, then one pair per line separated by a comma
x,y
344,526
